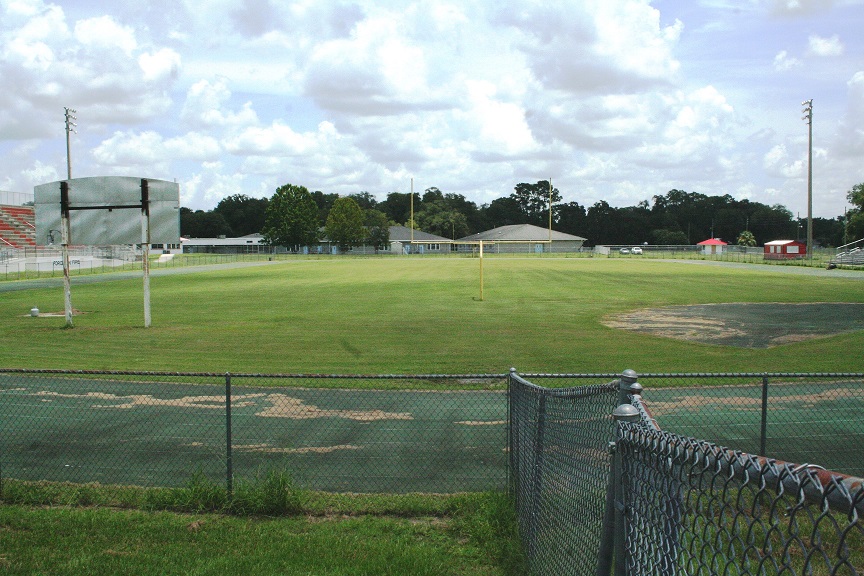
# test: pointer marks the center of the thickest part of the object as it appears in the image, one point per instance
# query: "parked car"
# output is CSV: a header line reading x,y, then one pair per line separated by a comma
x,y
635,250
624,251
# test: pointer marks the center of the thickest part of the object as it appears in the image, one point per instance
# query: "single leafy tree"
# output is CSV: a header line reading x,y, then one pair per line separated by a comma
x,y
534,199
855,218
245,215
345,224
437,218
377,230
291,218
746,238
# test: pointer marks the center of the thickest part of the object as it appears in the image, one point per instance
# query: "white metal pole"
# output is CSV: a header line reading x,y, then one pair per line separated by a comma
x,y
65,234
145,245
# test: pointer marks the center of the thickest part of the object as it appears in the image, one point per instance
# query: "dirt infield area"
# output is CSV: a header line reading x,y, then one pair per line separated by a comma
x,y
744,325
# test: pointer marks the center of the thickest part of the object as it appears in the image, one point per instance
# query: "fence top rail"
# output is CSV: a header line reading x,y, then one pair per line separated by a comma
x,y
567,392
841,491
522,376
647,375
61,371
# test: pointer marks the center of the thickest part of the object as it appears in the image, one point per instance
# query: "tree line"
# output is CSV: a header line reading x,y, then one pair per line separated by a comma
x,y
294,217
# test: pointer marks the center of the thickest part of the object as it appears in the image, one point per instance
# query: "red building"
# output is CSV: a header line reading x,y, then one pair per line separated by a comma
x,y
785,249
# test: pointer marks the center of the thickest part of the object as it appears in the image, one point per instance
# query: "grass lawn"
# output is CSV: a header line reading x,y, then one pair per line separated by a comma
x,y
406,315
87,529
412,315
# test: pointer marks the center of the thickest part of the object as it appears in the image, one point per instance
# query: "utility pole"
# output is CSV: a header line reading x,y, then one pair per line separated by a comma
x,y
808,117
70,127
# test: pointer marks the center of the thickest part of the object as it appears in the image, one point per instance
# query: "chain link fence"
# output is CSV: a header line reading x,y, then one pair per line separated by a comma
x,y
596,489
651,501
397,434
794,417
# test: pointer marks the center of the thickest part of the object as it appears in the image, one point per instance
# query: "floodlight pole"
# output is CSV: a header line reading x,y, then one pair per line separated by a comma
x,y
808,117
64,241
70,127
145,246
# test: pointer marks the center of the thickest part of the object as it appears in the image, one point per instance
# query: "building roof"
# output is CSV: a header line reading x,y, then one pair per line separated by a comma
x,y
783,242
520,233
712,242
403,234
254,239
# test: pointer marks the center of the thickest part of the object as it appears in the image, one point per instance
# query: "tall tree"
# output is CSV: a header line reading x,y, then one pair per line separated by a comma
x,y
201,224
324,203
377,230
571,219
397,207
345,224
438,218
365,200
502,212
534,201
291,218
855,218
244,215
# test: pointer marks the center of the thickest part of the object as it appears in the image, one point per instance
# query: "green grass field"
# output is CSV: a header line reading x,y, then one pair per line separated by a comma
x,y
407,315
364,316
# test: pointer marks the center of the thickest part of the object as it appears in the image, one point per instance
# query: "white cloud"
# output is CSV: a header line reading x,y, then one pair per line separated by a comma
x,y
850,135
800,7
778,163
783,62
149,150
104,33
205,106
819,46
614,99
163,63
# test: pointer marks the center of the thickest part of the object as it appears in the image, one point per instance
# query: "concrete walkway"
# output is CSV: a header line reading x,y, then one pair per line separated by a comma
x,y
15,285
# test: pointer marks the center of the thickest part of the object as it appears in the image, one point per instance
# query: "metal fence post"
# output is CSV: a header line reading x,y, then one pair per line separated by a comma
x,y
763,431
511,453
607,530
537,476
229,465
623,413
625,384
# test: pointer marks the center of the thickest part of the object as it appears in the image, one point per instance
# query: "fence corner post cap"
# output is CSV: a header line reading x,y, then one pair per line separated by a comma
x,y
512,370
626,412
629,376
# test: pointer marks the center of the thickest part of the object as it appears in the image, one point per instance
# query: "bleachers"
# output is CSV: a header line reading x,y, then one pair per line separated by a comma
x,y
853,257
17,226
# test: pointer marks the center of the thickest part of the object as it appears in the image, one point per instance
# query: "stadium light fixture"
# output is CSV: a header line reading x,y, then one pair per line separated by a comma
x,y
808,117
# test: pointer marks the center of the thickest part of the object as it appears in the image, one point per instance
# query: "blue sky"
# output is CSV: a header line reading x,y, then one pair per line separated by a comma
x,y
616,100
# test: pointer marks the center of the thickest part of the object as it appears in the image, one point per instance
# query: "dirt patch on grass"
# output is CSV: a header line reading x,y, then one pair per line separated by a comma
x,y
744,325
